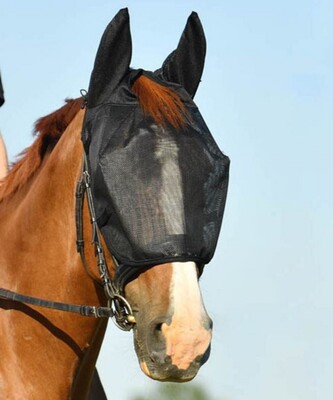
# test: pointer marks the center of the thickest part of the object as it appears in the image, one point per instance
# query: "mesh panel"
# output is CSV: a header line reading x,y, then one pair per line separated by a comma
x,y
159,192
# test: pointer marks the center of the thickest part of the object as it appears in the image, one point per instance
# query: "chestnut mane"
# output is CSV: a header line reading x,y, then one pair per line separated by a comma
x,y
160,102
157,101
48,131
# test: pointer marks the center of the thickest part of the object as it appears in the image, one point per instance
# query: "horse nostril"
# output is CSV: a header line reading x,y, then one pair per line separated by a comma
x,y
156,342
158,327
157,331
208,324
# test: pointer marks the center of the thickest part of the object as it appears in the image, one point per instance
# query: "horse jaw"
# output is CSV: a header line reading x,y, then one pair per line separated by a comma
x,y
173,332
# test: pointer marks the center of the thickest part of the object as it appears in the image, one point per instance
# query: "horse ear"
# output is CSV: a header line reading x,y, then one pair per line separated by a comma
x,y
185,65
112,59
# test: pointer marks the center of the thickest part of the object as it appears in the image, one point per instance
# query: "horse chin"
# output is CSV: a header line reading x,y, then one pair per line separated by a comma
x,y
169,373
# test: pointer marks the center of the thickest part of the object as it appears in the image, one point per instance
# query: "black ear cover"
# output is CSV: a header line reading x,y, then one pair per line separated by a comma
x,y
185,64
112,59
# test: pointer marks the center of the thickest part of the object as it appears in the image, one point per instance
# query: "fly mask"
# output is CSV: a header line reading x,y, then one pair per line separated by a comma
x,y
159,190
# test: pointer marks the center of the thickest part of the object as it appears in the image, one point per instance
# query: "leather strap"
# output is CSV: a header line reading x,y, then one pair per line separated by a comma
x,y
86,311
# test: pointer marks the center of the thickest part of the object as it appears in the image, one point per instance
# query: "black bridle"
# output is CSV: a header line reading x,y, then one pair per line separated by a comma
x,y
118,308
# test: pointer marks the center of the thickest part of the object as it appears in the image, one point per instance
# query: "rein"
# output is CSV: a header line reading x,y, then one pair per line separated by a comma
x,y
118,308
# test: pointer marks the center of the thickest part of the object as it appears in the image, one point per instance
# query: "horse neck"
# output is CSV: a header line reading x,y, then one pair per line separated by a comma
x,y
41,260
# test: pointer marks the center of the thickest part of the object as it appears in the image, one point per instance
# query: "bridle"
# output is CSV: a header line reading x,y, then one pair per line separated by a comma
x,y
118,308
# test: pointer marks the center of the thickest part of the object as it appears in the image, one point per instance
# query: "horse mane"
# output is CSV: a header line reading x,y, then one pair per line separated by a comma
x,y
158,101
48,131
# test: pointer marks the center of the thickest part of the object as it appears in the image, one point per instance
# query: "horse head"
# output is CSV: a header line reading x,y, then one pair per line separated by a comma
x,y
159,186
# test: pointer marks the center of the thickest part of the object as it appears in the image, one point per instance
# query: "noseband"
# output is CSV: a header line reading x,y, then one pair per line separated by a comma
x,y
118,308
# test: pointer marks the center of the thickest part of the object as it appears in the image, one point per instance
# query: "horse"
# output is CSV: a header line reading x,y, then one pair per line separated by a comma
x,y
49,345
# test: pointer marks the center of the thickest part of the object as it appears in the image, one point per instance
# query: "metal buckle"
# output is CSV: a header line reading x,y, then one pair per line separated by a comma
x,y
122,316
94,311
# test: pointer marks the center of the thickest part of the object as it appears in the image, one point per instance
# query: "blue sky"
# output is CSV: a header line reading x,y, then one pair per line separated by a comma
x,y
267,96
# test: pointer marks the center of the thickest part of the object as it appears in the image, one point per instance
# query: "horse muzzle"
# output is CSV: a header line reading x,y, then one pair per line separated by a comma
x,y
173,353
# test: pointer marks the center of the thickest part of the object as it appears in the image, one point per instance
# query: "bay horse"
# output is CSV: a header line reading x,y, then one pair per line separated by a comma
x,y
49,353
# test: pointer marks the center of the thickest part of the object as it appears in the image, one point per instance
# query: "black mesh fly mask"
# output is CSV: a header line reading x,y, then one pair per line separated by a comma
x,y
158,190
